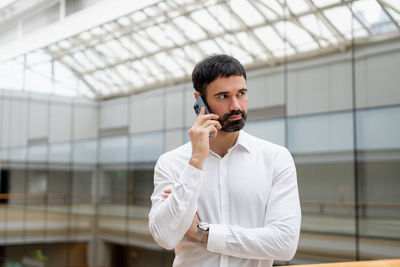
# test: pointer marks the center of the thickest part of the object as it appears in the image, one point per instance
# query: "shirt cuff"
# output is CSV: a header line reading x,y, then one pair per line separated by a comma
x,y
217,237
191,176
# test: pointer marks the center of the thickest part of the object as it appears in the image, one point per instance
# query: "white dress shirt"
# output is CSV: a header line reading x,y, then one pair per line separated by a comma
x,y
249,197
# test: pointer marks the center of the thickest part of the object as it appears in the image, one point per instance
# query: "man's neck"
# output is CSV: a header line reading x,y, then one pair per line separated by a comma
x,y
223,142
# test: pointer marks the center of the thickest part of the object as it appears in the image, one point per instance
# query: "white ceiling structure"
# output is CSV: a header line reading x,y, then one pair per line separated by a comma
x,y
160,43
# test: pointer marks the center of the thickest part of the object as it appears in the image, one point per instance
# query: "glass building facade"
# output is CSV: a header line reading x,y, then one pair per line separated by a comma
x,y
77,171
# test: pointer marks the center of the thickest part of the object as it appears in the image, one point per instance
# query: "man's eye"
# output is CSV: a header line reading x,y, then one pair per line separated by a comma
x,y
221,96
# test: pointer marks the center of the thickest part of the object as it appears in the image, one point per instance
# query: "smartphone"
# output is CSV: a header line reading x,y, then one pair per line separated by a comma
x,y
199,104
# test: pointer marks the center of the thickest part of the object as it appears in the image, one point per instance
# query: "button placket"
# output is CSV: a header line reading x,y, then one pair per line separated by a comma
x,y
224,191
223,179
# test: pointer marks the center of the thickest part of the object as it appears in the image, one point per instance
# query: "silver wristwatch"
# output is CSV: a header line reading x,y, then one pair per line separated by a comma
x,y
202,228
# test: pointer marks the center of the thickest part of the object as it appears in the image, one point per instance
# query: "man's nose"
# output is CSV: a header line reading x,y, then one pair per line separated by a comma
x,y
234,105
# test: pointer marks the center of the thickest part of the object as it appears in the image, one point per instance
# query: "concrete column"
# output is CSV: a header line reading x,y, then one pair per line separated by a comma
x,y
99,253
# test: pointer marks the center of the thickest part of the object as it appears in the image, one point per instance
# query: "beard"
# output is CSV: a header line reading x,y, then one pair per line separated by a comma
x,y
235,125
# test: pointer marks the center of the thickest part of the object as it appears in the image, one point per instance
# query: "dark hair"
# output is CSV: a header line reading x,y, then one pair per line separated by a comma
x,y
213,67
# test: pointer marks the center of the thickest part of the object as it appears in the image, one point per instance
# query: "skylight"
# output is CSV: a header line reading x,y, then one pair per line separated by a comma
x,y
159,44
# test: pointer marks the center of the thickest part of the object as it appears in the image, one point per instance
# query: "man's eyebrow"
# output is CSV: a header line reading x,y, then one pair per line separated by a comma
x,y
226,92
221,93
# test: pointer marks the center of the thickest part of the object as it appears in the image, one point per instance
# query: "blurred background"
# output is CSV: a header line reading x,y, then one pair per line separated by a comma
x,y
93,92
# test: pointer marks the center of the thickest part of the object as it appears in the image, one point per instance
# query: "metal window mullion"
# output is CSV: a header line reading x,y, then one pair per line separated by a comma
x,y
317,38
166,49
145,53
133,56
283,19
123,45
284,38
294,19
117,73
106,46
173,24
137,72
245,26
81,74
73,70
211,37
78,40
138,75
174,42
359,20
230,32
319,14
267,7
383,4
250,30
102,80
104,70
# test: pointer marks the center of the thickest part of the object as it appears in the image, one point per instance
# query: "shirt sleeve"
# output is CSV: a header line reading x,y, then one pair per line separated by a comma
x,y
170,218
279,237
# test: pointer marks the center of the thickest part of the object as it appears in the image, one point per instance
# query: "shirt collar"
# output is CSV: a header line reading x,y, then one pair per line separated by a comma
x,y
243,141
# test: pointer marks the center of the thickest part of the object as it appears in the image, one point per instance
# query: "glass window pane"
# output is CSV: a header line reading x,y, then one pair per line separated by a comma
x,y
378,128
60,152
147,147
85,151
37,153
321,133
270,130
113,149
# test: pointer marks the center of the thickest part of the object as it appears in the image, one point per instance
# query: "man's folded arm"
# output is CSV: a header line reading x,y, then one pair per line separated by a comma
x,y
279,236
171,217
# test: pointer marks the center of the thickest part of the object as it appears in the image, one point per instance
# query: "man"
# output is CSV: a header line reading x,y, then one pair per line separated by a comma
x,y
229,199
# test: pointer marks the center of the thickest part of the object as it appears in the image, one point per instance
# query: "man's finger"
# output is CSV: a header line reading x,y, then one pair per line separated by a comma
x,y
203,118
213,130
202,111
212,122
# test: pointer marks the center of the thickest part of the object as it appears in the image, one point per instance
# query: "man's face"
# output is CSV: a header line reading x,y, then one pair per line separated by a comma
x,y
227,97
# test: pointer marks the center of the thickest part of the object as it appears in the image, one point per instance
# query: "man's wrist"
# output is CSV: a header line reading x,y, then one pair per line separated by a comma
x,y
197,163
205,237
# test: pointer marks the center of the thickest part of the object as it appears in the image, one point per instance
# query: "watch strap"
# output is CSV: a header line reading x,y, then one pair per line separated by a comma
x,y
202,228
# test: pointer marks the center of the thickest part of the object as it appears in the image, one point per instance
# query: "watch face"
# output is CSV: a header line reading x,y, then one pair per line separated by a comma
x,y
203,226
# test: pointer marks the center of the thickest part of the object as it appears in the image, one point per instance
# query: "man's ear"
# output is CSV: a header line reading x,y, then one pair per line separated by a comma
x,y
196,94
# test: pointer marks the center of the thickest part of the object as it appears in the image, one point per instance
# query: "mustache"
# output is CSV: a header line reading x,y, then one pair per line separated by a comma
x,y
234,112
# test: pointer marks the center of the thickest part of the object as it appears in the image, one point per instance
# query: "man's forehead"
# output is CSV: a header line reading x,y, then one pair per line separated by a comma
x,y
231,81
223,83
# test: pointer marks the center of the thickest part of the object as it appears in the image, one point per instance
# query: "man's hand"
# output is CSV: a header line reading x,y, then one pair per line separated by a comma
x,y
199,136
166,193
